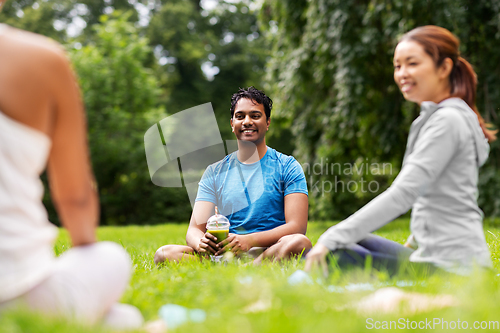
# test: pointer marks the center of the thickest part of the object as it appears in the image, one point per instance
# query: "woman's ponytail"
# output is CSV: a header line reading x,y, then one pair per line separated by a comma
x,y
463,82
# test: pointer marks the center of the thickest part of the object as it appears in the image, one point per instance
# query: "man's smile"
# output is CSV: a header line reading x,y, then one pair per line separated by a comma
x,y
248,130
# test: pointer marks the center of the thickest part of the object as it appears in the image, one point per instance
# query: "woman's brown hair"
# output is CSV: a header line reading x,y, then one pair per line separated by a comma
x,y
440,44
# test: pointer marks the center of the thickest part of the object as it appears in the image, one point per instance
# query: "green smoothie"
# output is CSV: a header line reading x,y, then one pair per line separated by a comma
x,y
219,234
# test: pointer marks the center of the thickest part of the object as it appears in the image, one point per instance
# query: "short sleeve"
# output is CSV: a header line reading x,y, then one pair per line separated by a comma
x,y
294,178
206,186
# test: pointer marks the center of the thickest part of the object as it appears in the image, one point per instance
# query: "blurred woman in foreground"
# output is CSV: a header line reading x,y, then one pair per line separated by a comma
x,y
42,123
447,144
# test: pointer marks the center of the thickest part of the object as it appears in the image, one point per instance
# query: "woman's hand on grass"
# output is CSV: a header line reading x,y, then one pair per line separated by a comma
x,y
317,258
207,244
410,246
236,244
411,243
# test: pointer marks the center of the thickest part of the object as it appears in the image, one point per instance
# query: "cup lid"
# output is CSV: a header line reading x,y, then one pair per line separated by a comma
x,y
217,222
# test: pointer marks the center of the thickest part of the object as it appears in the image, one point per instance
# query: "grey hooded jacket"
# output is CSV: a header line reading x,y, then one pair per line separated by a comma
x,y
445,149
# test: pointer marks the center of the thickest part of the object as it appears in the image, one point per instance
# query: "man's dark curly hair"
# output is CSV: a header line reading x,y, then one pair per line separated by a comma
x,y
255,95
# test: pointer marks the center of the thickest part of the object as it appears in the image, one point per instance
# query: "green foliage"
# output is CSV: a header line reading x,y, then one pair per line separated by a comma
x,y
328,72
240,54
259,299
40,16
115,77
331,74
121,98
35,16
169,31
126,89
96,8
226,38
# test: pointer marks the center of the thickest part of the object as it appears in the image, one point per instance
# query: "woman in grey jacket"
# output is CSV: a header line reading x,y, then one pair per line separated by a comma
x,y
447,144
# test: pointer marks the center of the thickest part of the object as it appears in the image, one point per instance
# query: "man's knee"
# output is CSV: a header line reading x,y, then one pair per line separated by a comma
x,y
171,253
163,253
296,243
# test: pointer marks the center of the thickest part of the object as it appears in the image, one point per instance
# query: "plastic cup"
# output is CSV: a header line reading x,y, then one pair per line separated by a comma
x,y
218,225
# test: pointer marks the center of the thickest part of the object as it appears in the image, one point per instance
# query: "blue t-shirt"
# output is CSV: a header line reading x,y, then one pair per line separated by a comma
x,y
252,196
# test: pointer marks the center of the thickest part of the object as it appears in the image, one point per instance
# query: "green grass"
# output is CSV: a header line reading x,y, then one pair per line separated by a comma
x,y
228,292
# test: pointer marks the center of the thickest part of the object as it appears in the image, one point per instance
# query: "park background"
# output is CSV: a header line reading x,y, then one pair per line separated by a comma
x,y
327,65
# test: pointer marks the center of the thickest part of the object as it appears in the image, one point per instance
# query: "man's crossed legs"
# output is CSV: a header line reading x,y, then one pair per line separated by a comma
x,y
285,248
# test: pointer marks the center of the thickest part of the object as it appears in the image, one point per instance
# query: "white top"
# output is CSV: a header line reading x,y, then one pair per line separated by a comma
x,y
26,235
445,149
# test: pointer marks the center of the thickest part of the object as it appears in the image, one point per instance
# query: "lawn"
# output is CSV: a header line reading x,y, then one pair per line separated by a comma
x,y
243,298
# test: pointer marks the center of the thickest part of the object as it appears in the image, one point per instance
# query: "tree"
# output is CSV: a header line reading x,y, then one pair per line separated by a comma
x,y
121,97
331,71
52,18
133,75
36,16
187,37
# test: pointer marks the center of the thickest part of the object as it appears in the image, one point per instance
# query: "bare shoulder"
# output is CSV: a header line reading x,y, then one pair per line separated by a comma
x,y
36,66
38,43
30,49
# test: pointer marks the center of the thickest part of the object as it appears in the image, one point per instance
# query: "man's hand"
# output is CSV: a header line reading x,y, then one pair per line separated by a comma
x,y
207,244
317,258
236,244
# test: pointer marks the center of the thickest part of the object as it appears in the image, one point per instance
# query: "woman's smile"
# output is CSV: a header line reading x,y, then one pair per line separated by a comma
x,y
417,76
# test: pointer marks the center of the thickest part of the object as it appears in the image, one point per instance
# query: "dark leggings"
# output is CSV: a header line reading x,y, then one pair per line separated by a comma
x,y
385,255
